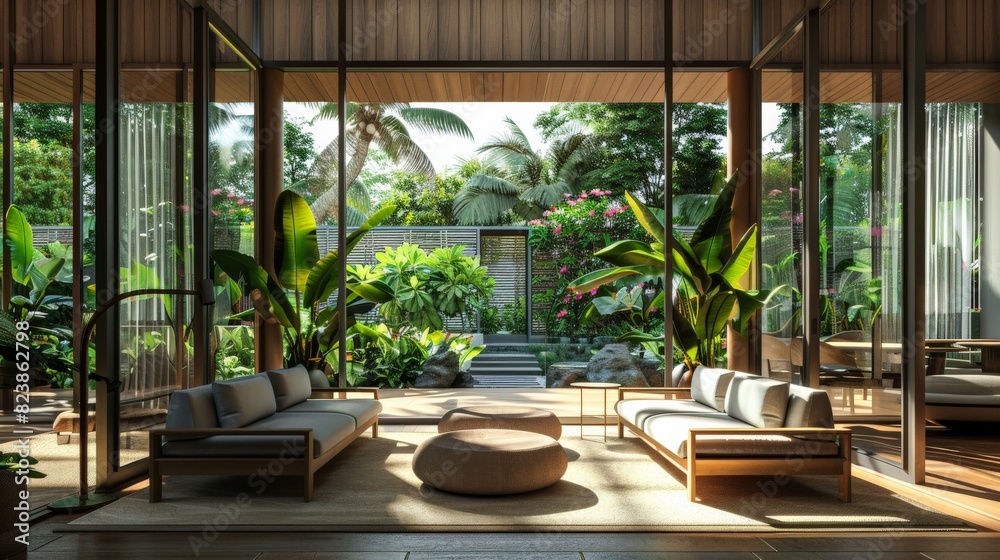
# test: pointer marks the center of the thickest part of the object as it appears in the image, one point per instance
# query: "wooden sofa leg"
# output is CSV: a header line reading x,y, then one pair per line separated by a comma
x,y
308,486
845,483
155,483
375,429
621,429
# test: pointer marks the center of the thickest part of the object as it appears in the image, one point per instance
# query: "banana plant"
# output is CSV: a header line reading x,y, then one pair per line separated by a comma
x,y
299,296
707,294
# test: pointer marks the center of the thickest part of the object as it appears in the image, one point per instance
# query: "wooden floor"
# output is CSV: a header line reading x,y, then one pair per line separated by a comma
x,y
963,480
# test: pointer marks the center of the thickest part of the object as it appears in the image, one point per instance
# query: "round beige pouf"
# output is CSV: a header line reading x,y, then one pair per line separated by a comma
x,y
501,417
489,462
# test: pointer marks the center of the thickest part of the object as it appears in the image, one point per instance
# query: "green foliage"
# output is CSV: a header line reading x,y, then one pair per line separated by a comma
x,y
430,286
394,359
11,462
570,233
420,204
299,151
510,317
42,298
234,356
514,179
707,272
43,182
297,298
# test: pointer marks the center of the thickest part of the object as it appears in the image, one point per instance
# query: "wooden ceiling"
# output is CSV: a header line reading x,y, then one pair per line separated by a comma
x,y
779,86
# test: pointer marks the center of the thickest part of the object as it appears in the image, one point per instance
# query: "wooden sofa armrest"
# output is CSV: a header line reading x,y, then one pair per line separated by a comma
x,y
665,391
341,392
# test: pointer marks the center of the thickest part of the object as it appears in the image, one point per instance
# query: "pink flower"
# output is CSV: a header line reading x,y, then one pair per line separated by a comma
x,y
216,192
240,202
563,270
546,213
230,195
571,202
591,213
558,230
597,192
566,195
593,292
562,314
215,212
654,309
579,297
793,190
535,223
184,208
774,193
567,299
552,208
583,196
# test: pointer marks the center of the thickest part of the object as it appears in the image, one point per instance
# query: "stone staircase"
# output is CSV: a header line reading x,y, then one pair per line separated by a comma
x,y
507,371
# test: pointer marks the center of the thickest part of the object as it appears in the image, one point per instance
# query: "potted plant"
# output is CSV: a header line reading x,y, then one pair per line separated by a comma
x,y
707,294
298,298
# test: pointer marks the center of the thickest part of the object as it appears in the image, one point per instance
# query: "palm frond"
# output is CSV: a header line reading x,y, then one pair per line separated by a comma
x,y
546,195
359,197
478,206
435,121
355,216
403,151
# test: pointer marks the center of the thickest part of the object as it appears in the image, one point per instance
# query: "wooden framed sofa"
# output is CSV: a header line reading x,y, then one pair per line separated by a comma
x,y
730,423
260,426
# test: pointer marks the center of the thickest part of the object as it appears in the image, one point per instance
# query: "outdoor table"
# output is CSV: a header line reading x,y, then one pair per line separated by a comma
x,y
581,385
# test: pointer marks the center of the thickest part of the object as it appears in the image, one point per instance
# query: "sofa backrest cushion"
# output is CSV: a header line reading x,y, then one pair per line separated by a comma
x,y
758,401
709,386
291,386
243,400
192,408
808,408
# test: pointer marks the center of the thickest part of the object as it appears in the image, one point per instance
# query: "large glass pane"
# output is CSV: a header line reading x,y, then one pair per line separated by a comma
x,y
232,188
781,226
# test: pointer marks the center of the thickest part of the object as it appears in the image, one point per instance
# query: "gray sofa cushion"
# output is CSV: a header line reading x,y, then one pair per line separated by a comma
x,y
328,430
192,408
709,385
808,408
758,401
291,386
361,410
637,411
243,400
671,431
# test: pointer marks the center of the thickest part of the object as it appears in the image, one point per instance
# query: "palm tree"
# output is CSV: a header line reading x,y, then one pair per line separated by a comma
x,y
516,178
386,126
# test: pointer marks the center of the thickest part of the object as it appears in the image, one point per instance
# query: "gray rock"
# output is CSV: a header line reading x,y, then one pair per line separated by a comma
x,y
560,375
440,371
613,364
652,370
463,380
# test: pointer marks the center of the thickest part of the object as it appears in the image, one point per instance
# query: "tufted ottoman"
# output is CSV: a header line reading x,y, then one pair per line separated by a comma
x,y
501,417
962,398
489,461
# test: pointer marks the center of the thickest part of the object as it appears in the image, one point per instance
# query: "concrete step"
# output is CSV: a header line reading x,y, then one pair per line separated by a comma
x,y
503,369
508,381
504,357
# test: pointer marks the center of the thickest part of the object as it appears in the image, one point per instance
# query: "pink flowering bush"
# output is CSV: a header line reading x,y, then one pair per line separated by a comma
x,y
564,241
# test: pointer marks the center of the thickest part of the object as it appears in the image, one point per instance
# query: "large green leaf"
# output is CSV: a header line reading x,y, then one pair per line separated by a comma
x,y
739,262
19,241
238,265
647,219
685,338
712,240
749,302
604,276
295,246
714,314
630,252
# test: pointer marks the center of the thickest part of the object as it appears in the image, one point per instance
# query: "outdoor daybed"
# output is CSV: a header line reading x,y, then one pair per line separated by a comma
x,y
266,423
730,423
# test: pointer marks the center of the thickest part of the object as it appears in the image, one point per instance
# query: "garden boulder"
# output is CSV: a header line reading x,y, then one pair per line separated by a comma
x,y
463,380
440,371
560,375
613,364
652,370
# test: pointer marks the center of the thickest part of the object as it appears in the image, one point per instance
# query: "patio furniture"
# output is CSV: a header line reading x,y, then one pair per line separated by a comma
x,y
956,399
489,462
248,425
603,387
501,417
730,423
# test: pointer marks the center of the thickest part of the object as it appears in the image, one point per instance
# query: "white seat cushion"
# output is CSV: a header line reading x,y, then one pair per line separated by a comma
x,y
637,411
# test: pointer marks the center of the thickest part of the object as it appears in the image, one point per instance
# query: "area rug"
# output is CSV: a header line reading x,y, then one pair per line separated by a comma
x,y
620,485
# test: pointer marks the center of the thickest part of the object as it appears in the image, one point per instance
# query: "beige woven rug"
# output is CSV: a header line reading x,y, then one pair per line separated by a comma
x,y
620,485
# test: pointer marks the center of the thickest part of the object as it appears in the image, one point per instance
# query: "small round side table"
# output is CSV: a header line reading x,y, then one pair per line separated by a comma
x,y
581,385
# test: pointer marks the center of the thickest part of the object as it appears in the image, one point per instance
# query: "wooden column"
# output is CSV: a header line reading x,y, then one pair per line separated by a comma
x,y
742,159
990,256
270,180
